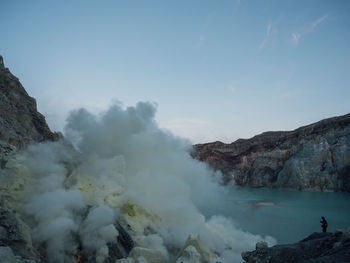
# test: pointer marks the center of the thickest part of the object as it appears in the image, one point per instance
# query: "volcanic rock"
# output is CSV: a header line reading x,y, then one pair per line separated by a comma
x,y
318,247
122,247
20,122
189,255
117,250
7,255
194,252
15,238
316,156
150,255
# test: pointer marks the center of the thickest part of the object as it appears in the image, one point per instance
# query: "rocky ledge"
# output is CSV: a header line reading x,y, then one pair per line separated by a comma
x,y
316,248
20,122
316,156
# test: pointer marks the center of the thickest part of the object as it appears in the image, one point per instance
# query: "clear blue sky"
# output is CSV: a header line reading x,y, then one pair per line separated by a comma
x,y
218,70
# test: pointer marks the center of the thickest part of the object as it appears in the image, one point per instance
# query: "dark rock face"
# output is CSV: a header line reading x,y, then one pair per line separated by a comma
x,y
20,125
316,156
15,238
122,247
20,122
318,247
117,250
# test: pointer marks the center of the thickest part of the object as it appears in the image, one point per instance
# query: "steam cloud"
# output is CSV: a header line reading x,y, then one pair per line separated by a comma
x,y
98,229
127,169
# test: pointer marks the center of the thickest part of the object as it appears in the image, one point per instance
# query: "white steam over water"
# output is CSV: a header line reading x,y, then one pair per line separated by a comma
x,y
131,171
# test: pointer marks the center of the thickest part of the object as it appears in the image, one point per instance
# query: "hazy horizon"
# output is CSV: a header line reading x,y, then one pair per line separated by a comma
x,y
216,71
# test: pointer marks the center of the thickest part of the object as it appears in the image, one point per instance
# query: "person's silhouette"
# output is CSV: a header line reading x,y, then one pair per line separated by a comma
x,y
324,224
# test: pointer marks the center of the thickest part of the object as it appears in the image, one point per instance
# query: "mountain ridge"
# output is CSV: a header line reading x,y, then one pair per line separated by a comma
x,y
258,161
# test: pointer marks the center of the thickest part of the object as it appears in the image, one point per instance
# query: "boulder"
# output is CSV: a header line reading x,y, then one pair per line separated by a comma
x,y
261,245
15,234
150,255
6,255
125,260
118,251
189,255
318,247
192,249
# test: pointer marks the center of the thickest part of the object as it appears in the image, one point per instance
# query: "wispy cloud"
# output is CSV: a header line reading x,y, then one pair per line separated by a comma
x,y
232,88
318,21
296,37
267,35
308,29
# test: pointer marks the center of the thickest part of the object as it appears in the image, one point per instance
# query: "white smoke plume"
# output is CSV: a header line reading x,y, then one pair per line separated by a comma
x,y
97,230
56,210
129,170
55,213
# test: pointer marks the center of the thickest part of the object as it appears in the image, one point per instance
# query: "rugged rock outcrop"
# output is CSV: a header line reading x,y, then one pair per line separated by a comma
x,y
318,247
20,122
117,250
20,125
193,252
316,156
15,238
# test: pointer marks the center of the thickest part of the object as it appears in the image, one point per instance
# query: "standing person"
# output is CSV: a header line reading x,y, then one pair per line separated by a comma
x,y
324,224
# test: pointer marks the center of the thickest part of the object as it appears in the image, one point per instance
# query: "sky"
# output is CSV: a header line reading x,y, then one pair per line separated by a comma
x,y
216,70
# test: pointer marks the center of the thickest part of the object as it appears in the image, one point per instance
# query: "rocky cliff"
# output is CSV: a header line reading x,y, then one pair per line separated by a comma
x,y
316,156
21,125
318,247
20,122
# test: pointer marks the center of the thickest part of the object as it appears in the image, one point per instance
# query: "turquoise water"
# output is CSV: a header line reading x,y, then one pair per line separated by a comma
x,y
286,215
